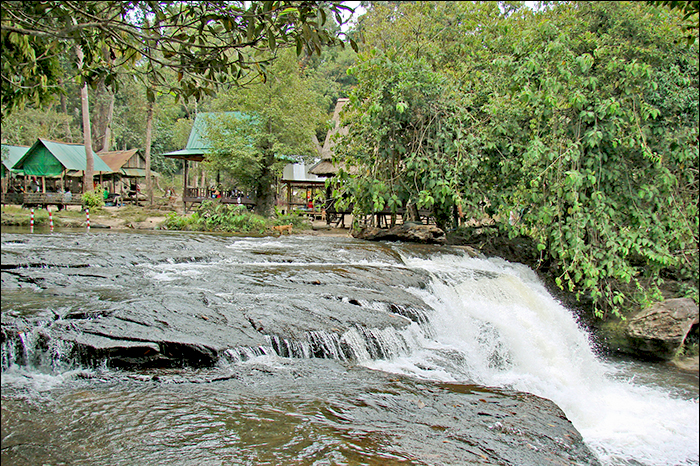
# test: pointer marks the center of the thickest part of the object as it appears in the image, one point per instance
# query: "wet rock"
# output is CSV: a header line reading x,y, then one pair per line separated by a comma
x,y
658,332
153,306
409,232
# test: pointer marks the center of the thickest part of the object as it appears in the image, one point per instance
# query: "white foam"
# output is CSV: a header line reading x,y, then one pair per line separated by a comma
x,y
509,332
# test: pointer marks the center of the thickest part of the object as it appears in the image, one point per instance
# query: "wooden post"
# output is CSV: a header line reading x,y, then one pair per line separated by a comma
x,y
289,198
43,184
184,187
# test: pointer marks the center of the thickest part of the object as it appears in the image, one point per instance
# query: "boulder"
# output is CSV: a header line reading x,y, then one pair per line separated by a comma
x,y
659,331
409,232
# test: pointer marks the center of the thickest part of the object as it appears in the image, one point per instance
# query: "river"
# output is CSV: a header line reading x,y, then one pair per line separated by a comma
x,y
186,348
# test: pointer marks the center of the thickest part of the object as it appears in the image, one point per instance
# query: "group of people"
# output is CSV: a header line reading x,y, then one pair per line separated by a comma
x,y
218,193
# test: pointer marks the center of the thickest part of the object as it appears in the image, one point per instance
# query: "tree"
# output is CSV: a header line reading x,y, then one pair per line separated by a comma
x,y
409,115
254,147
690,11
577,125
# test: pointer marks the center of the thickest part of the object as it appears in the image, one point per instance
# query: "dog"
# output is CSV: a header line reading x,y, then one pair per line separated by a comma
x,y
283,228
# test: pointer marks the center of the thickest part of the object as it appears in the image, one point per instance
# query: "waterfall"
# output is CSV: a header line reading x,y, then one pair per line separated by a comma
x,y
495,324
359,344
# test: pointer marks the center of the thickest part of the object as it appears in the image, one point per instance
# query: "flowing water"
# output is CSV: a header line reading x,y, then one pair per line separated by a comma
x,y
311,350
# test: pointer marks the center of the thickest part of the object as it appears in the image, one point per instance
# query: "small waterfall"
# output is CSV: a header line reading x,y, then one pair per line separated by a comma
x,y
356,344
242,354
495,324
33,347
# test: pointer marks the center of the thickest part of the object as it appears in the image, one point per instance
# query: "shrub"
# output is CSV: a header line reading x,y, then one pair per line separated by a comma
x,y
297,219
214,216
92,200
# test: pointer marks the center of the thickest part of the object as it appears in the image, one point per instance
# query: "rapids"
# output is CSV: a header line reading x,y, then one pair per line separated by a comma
x,y
162,348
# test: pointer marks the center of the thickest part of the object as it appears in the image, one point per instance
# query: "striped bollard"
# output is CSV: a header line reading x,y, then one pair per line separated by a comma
x,y
50,220
31,222
87,214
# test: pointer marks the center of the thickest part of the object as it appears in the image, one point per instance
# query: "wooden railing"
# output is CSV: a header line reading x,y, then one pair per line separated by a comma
x,y
41,199
197,195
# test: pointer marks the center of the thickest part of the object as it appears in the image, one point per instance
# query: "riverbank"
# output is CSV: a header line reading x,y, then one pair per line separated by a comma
x,y
127,218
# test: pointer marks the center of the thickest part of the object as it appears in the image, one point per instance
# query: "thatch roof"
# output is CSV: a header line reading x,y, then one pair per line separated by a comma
x,y
326,167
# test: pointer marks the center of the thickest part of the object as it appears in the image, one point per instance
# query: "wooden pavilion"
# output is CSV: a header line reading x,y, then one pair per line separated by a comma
x,y
297,179
129,166
198,145
52,159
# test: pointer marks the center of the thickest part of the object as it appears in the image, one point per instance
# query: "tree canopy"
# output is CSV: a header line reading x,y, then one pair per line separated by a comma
x,y
206,43
576,126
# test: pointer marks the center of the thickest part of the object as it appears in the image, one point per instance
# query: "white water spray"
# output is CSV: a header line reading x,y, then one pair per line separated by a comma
x,y
495,324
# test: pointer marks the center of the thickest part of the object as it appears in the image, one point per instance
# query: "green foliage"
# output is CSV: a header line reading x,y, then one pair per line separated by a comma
x,y
296,218
93,200
253,148
173,221
23,127
212,215
215,216
206,43
576,126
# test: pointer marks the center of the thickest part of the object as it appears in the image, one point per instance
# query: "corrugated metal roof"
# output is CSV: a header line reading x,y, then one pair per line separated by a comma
x,y
11,155
116,159
198,143
187,154
298,172
137,172
41,158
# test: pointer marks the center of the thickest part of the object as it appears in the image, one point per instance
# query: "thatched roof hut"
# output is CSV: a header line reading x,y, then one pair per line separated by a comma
x,y
326,167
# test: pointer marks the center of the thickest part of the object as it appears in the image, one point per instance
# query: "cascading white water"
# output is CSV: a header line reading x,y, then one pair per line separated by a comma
x,y
495,324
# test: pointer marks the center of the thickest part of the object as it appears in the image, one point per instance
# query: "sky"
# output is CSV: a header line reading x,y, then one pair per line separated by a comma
x,y
359,10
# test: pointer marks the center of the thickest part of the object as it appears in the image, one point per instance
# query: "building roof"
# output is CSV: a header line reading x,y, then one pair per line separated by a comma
x,y
10,156
137,172
117,159
298,171
326,167
198,143
50,158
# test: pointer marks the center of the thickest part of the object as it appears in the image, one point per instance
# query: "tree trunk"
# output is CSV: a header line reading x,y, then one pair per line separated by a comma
x,y
107,145
264,190
64,109
149,133
103,111
87,138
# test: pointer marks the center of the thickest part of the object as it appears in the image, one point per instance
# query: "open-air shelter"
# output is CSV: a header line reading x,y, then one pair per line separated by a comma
x,y
10,156
296,178
198,145
55,159
127,165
